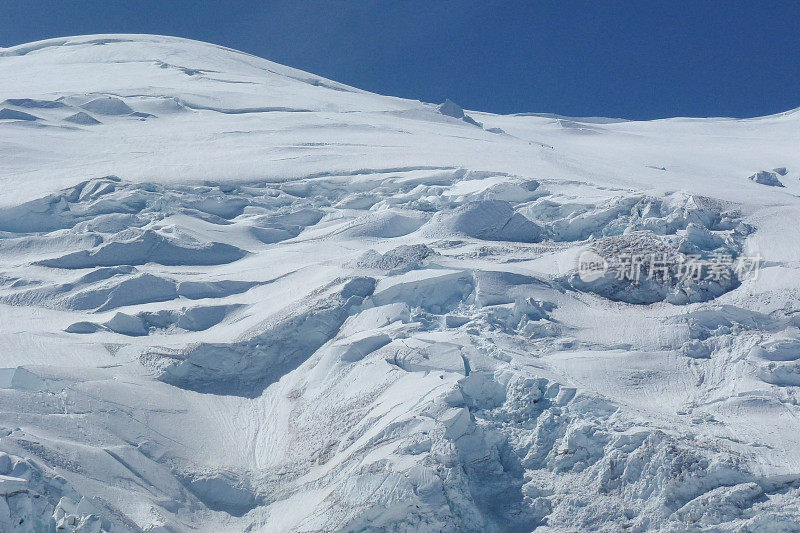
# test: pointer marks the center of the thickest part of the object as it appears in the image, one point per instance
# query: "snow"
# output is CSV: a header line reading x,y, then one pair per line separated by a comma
x,y
765,177
237,296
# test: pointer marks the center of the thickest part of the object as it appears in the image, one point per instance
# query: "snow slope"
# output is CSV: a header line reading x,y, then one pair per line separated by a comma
x,y
235,296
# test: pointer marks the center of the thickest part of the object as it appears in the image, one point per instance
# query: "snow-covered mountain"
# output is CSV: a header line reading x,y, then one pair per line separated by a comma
x,y
235,296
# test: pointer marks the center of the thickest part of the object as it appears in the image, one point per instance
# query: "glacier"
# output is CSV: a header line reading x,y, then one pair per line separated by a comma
x,y
235,296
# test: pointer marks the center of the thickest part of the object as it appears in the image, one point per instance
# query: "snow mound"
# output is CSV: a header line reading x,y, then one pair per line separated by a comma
x,y
149,247
13,114
113,293
144,323
767,177
492,220
451,109
108,105
400,259
32,103
82,118
386,224
280,227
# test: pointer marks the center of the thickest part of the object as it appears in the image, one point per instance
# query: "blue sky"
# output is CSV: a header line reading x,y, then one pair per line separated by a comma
x,y
640,60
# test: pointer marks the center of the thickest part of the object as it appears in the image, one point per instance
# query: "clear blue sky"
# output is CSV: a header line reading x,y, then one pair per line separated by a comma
x,y
636,59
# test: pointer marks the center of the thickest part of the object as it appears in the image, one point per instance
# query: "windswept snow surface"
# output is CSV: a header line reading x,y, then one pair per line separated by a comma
x,y
239,297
